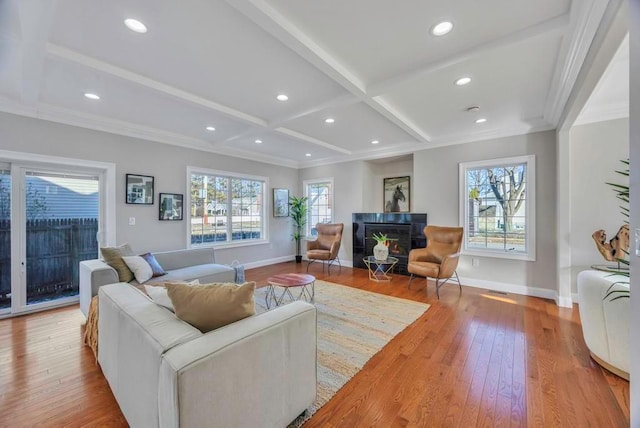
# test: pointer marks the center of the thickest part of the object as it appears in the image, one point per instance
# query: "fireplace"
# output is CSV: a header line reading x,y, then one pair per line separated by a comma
x,y
405,228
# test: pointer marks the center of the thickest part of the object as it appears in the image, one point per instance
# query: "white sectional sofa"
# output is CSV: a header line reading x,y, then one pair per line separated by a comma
x,y
257,372
605,322
185,265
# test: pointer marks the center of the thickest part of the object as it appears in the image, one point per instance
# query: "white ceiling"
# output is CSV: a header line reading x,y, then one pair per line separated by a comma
x,y
372,65
610,98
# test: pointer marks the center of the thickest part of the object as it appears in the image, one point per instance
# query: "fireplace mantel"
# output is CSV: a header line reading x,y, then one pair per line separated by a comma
x,y
366,223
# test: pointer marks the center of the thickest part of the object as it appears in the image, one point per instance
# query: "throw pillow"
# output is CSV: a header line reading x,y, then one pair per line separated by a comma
x,y
113,257
155,266
140,268
210,306
158,293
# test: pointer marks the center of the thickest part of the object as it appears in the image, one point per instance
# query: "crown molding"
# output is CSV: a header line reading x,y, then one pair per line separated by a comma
x,y
603,113
586,16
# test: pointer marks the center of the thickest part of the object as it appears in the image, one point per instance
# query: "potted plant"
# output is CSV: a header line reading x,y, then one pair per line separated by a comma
x,y
298,212
622,193
381,249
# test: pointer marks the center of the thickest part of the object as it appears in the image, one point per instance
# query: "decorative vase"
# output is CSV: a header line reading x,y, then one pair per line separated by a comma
x,y
380,251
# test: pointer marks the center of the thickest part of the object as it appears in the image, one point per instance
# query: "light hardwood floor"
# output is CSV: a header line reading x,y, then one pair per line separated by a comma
x,y
475,359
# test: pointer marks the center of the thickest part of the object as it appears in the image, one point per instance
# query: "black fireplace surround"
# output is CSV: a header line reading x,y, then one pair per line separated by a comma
x,y
406,228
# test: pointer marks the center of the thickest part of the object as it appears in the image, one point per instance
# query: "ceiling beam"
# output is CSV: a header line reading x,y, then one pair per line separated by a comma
x,y
551,26
104,67
270,20
586,19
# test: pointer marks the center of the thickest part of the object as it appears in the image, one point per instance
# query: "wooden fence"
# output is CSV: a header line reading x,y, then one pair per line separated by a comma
x,y
54,250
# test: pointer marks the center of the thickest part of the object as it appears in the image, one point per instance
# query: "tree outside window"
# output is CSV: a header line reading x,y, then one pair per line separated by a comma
x,y
496,207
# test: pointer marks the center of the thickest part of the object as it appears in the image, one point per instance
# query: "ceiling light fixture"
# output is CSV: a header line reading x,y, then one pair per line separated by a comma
x,y
463,81
282,97
307,154
135,25
481,120
91,96
473,109
442,28
210,128
258,141
329,120
375,142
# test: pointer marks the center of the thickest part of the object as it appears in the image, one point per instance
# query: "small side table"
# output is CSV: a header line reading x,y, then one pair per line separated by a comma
x,y
286,282
379,269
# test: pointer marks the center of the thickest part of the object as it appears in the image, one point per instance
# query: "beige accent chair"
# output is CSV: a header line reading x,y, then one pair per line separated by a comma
x,y
439,259
326,247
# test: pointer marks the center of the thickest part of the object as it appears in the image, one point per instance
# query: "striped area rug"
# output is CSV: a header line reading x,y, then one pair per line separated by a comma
x,y
353,325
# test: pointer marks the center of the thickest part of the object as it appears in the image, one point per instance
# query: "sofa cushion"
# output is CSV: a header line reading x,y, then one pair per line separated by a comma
x,y
158,293
207,273
113,257
156,269
140,268
211,306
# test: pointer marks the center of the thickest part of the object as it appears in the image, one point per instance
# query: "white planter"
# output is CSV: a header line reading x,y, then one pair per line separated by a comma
x,y
380,252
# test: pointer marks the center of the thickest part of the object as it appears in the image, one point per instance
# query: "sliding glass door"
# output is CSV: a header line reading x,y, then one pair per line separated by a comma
x,y
5,239
61,214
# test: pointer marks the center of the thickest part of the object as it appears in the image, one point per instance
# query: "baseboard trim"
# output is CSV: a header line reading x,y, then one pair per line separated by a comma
x,y
574,296
283,259
509,288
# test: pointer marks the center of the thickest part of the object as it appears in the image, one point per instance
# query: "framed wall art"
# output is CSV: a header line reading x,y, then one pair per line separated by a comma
x,y
281,202
397,194
139,189
170,206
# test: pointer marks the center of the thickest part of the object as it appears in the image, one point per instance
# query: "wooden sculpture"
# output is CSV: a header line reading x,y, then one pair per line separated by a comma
x,y
617,247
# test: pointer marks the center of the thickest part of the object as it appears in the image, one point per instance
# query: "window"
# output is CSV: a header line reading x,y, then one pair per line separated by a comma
x,y
226,208
497,207
320,194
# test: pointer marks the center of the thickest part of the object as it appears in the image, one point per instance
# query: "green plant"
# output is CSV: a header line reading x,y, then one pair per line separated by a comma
x,y
622,193
298,210
382,238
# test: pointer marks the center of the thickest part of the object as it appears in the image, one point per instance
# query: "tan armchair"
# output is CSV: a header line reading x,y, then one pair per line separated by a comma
x,y
439,259
326,247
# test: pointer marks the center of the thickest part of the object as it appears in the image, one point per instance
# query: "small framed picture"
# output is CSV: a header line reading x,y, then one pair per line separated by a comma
x,y
170,206
139,189
281,202
397,194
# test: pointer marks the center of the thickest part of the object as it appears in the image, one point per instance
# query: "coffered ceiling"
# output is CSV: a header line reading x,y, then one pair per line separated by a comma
x,y
372,66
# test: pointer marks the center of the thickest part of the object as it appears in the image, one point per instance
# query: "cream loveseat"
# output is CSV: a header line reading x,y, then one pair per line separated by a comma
x,y
256,372
184,265
605,322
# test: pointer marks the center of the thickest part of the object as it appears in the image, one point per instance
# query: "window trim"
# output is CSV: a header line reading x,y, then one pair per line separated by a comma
x,y
530,207
227,244
305,185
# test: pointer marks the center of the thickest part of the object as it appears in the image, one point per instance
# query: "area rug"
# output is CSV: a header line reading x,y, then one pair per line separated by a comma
x,y
353,325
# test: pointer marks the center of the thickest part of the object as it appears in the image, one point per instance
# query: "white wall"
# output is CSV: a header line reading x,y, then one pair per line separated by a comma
x,y
374,202
634,154
596,151
168,165
436,192
350,179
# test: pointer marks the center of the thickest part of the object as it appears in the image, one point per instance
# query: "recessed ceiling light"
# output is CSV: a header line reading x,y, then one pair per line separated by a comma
x,y
442,28
135,25
463,81
375,142
258,141
91,96
282,97
307,154
329,120
210,128
481,120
